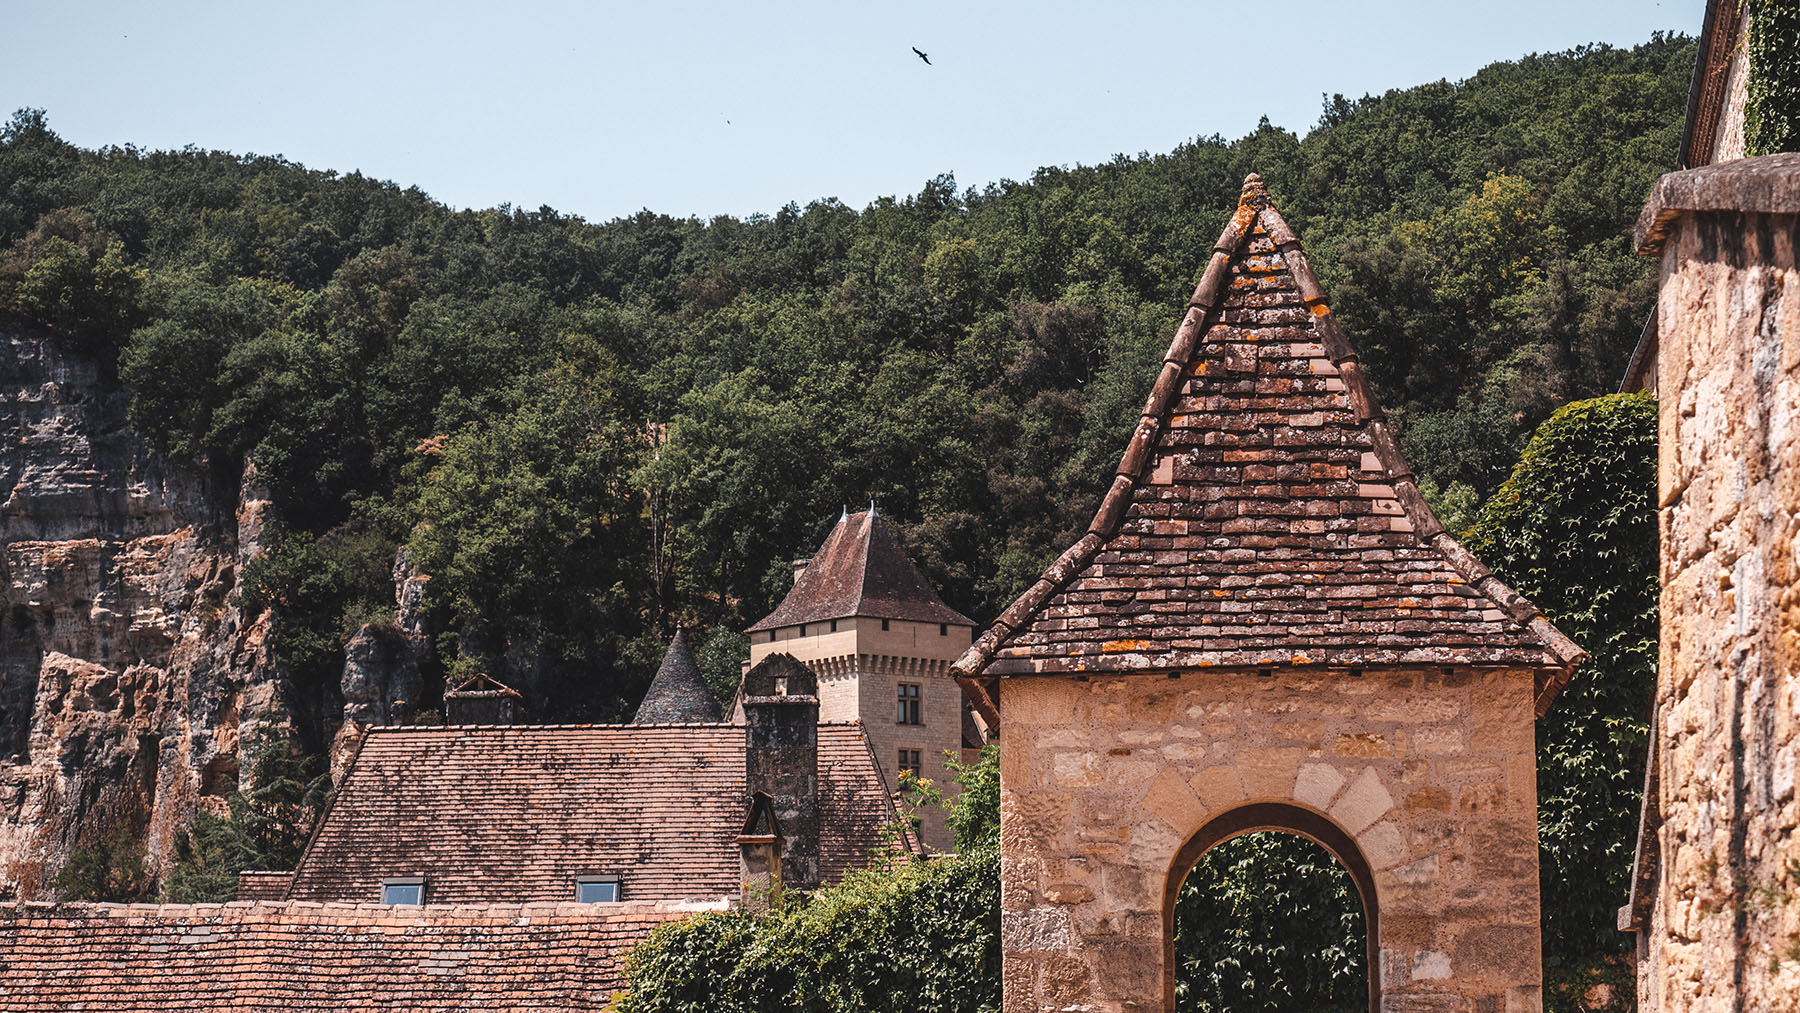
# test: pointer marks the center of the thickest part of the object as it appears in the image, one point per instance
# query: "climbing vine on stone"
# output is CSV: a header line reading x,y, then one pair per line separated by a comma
x,y
1574,530
1772,108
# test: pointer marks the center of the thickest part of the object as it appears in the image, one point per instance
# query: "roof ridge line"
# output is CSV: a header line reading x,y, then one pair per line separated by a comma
x,y
1424,520
1207,297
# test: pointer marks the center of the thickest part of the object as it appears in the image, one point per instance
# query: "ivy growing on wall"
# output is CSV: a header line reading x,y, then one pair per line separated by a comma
x,y
1574,530
1772,109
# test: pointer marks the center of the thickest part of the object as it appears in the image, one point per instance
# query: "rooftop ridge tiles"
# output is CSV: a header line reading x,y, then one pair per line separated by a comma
x,y
1256,212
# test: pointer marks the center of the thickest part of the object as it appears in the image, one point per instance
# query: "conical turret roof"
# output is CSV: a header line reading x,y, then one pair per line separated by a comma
x,y
1262,514
861,570
678,695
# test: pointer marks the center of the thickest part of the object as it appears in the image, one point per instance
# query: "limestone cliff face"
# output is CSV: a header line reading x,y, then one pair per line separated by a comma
x,y
125,669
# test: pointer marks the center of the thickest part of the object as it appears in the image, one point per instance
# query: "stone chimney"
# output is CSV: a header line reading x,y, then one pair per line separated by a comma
x,y
481,701
781,773
800,566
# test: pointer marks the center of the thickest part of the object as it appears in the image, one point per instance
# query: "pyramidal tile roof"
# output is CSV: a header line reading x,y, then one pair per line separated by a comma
x,y
1262,515
678,694
861,570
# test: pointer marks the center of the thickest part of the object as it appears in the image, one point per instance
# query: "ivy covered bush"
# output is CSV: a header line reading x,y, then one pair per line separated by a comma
x,y
1574,530
915,936
1772,108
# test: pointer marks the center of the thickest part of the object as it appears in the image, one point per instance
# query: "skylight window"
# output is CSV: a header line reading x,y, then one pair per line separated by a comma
x,y
596,889
403,890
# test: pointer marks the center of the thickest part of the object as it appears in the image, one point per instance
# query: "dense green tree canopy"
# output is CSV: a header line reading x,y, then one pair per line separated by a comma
x,y
666,410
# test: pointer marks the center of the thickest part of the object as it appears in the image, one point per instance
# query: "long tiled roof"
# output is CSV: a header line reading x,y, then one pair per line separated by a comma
x,y
229,957
678,694
514,813
861,570
1262,514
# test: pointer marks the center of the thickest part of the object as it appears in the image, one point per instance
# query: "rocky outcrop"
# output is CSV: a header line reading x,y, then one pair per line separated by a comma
x,y
125,668
383,681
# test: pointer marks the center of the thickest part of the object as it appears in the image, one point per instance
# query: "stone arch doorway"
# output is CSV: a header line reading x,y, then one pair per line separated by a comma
x,y
1281,818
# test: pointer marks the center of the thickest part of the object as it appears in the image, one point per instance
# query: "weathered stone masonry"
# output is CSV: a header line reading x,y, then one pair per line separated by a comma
x,y
1266,628
1718,895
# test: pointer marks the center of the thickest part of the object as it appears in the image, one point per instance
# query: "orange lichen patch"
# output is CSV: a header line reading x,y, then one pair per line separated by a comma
x,y
1221,594
1124,646
1244,217
1320,309
1299,659
1243,281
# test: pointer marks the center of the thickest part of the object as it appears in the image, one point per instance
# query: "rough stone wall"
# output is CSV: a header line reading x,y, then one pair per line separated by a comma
x,y
1725,925
124,668
1432,774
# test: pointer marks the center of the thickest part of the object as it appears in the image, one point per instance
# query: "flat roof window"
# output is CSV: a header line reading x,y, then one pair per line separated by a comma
x,y
596,889
403,890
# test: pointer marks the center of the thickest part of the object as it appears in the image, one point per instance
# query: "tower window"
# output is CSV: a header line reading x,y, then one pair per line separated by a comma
x,y
834,626
909,762
943,629
908,700
771,636
803,629
884,625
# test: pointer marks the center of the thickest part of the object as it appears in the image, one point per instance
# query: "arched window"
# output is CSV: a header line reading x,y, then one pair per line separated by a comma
x,y
1271,907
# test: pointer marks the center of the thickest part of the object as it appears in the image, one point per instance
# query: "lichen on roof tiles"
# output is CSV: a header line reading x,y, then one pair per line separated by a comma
x,y
1262,514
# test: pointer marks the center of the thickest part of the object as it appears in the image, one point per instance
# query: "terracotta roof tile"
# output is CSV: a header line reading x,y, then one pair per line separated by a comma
x,y
514,813
220,957
678,694
861,570
1262,514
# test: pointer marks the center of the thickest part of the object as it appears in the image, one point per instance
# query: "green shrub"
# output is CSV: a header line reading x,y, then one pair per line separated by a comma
x,y
109,869
913,937
1574,530
1270,922
269,820
1772,107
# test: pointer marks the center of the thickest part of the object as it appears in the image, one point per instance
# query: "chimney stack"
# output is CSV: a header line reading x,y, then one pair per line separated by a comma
x,y
781,770
481,701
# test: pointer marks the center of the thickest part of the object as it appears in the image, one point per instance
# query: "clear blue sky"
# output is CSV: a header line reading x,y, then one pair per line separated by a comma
x,y
600,109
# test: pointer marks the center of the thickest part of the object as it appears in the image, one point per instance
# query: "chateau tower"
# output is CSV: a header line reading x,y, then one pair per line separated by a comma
x,y
881,641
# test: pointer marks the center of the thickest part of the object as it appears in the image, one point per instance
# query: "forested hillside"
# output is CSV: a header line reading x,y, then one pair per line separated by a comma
x,y
588,433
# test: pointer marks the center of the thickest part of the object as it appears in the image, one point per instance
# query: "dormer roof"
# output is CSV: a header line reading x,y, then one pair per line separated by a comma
x,y
678,694
1262,514
861,570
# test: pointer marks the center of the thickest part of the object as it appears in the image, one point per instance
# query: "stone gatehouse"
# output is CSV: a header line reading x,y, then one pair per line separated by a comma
x,y
1266,628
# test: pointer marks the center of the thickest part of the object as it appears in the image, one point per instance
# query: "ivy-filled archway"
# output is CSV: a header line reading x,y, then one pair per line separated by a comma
x,y
1264,915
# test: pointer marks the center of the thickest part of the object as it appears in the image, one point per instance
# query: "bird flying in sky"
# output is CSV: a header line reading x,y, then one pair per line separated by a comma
x,y
922,56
